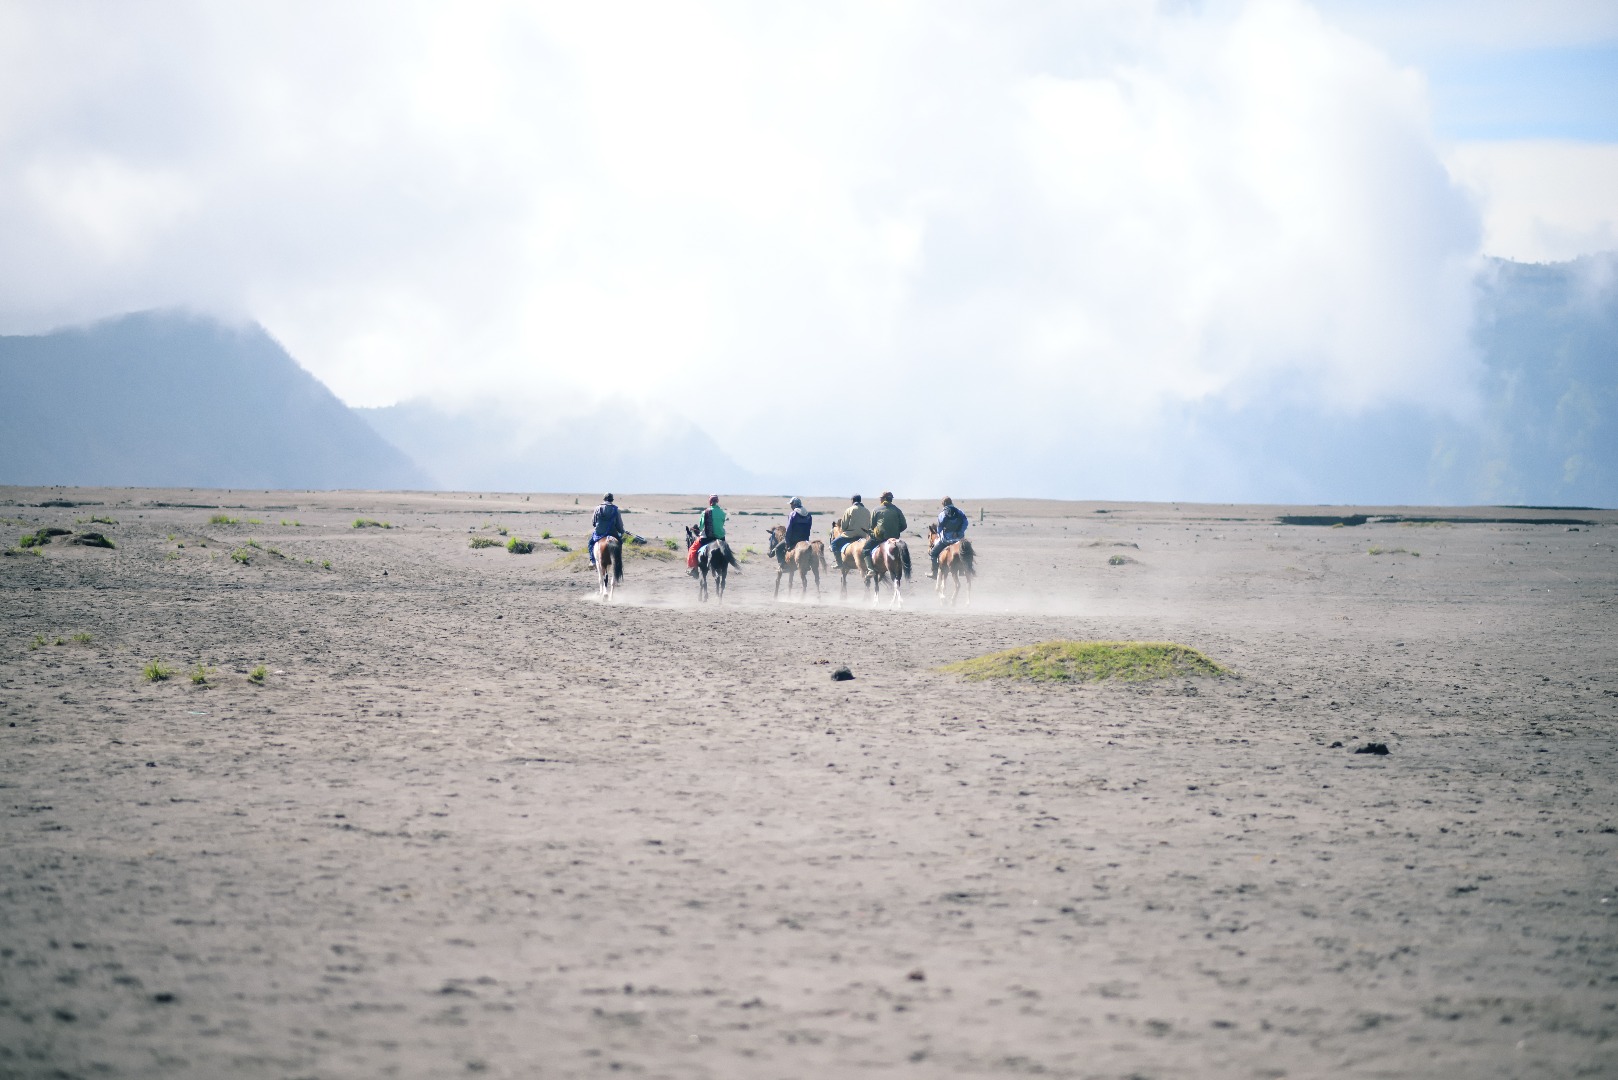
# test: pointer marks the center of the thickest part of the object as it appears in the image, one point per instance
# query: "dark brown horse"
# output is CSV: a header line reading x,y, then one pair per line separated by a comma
x,y
804,556
954,563
890,561
609,554
714,558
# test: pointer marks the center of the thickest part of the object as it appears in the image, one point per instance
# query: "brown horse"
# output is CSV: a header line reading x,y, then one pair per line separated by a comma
x,y
609,564
954,562
890,560
847,560
805,555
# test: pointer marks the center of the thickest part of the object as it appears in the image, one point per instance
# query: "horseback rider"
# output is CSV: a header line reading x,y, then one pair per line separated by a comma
x,y
952,523
713,528
799,524
606,522
887,523
855,524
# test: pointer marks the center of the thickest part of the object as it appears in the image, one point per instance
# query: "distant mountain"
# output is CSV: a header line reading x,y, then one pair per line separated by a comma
x,y
1547,433
165,399
494,447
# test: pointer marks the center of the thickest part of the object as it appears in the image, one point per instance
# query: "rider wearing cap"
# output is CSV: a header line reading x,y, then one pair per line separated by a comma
x,y
952,523
855,524
713,528
887,523
606,522
799,524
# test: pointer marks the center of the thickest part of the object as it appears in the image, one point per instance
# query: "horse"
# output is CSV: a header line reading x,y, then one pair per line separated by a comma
x,y
890,559
954,562
847,560
805,555
609,552
714,557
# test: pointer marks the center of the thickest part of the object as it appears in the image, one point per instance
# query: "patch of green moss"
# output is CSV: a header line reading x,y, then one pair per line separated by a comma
x,y
1089,661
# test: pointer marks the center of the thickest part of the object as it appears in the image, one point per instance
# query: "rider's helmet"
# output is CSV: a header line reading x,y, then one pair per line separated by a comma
x,y
607,497
713,500
948,501
796,503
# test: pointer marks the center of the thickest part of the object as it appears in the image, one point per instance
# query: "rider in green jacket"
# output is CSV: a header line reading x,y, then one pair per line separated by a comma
x,y
887,523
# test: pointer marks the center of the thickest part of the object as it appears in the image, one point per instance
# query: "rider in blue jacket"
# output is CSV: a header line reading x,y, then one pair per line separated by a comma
x,y
952,525
799,524
606,522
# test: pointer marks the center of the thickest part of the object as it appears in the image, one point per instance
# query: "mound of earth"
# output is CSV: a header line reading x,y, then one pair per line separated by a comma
x,y
1089,661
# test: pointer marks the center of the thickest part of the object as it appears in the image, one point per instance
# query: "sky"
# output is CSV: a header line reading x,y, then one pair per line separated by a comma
x,y
981,244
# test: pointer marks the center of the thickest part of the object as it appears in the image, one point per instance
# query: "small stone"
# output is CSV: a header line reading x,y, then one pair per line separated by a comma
x,y
917,976
842,674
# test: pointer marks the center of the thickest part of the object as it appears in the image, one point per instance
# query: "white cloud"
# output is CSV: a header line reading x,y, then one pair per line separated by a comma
x,y
1543,200
819,225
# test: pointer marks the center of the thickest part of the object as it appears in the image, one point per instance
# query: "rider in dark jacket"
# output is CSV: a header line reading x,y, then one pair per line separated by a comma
x,y
799,524
952,523
888,523
606,522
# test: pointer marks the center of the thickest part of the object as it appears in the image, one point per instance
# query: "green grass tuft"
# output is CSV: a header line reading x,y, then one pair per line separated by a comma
x,y
257,675
520,547
545,534
672,545
559,545
371,523
223,519
199,675
1089,661
483,542
82,638
36,642
242,555
157,671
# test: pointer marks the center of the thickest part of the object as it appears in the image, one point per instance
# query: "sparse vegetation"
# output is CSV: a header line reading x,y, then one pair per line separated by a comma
x,y
42,536
545,534
672,545
242,555
95,521
253,543
325,564
483,542
1119,560
519,547
559,545
82,638
94,539
23,551
291,524
371,523
223,519
157,671
501,530
1392,551
257,675
254,521
199,675
1089,661
36,642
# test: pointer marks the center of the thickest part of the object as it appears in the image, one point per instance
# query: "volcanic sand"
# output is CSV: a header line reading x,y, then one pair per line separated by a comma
x,y
476,823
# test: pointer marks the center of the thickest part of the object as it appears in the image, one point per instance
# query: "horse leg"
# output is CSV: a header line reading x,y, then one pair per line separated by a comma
x,y
777,594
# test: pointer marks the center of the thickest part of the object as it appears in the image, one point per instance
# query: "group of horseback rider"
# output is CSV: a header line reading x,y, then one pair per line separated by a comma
x,y
857,525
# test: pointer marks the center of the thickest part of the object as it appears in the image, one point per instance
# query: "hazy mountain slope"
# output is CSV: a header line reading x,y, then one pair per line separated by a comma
x,y
166,399
504,448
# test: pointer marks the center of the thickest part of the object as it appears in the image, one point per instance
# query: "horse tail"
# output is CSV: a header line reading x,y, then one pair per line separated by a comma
x,y
966,557
731,556
618,561
904,556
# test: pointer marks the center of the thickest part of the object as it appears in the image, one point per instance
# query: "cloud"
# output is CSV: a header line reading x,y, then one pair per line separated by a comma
x,y
972,245
1545,200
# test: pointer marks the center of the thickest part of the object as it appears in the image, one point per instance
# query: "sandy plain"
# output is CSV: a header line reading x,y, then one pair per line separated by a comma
x,y
475,823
